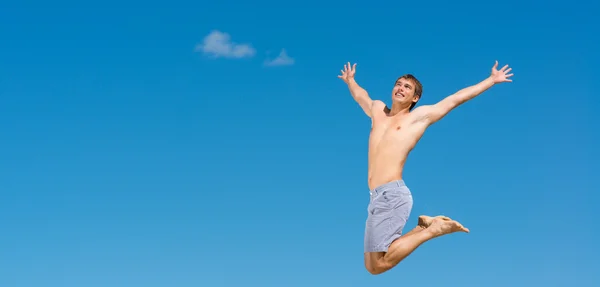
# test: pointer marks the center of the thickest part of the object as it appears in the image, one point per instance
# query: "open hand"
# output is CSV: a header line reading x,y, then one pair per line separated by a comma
x,y
348,72
500,76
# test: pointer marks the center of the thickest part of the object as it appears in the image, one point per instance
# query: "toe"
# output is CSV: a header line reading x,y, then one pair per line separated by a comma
x,y
463,228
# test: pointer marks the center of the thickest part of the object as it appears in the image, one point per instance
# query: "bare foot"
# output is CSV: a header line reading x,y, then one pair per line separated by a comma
x,y
440,227
425,221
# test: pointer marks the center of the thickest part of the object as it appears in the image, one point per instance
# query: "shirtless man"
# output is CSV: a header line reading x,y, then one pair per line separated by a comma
x,y
394,133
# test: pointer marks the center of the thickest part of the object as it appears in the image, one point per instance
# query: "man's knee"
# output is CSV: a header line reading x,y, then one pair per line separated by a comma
x,y
377,268
376,264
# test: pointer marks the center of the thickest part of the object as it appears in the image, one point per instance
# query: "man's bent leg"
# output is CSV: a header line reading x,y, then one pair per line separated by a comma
x,y
379,262
388,211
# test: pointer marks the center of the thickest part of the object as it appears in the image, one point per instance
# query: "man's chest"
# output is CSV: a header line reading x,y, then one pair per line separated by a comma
x,y
385,123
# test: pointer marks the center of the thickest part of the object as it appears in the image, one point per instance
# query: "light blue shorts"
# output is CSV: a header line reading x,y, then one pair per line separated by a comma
x,y
388,212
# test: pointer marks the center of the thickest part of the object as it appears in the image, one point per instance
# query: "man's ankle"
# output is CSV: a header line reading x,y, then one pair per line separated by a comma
x,y
429,234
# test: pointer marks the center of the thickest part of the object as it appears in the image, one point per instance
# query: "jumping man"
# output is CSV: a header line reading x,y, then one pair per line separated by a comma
x,y
394,133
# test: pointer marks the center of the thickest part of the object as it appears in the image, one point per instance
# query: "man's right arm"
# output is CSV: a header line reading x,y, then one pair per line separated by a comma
x,y
361,96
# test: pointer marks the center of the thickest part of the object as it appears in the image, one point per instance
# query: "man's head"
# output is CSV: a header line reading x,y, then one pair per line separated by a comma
x,y
407,91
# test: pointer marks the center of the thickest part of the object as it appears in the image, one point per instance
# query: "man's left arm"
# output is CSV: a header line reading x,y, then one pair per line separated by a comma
x,y
437,111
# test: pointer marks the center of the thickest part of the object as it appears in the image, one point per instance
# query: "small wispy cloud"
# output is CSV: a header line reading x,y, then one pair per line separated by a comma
x,y
282,60
218,44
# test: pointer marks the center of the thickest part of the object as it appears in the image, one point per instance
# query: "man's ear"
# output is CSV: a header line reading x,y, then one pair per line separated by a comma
x,y
416,99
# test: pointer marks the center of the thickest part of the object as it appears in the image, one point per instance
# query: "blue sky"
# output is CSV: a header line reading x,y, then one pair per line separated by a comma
x,y
131,158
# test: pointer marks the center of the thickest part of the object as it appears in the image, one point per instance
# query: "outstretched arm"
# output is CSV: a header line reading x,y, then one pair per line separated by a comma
x,y
436,112
359,94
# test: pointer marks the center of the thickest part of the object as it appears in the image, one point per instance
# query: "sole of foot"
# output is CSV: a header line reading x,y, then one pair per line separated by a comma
x,y
440,226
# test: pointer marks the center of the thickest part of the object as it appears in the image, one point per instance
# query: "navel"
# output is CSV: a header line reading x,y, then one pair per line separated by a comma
x,y
398,128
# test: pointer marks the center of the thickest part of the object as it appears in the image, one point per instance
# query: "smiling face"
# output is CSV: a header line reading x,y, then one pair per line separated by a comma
x,y
407,91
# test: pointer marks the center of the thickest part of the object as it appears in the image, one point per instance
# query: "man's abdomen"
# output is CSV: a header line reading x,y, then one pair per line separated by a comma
x,y
386,163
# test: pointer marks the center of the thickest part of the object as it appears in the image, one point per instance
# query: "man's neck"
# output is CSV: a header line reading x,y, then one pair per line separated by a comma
x,y
397,109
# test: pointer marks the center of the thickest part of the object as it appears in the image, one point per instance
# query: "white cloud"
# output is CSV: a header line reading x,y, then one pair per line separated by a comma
x,y
219,44
282,60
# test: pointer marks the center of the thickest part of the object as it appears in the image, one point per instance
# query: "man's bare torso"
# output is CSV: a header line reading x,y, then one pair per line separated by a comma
x,y
391,140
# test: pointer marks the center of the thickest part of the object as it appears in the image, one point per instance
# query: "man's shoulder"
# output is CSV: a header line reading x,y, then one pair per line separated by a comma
x,y
378,107
421,109
378,104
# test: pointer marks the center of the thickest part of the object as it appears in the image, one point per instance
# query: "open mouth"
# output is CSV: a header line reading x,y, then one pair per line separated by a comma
x,y
399,95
